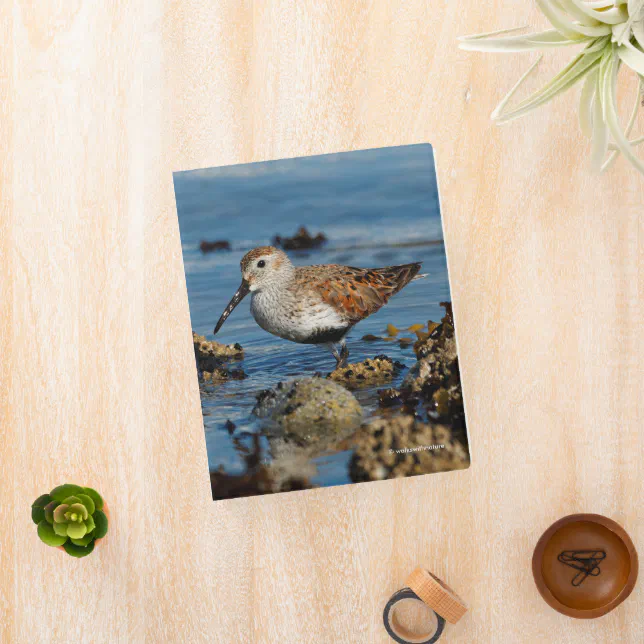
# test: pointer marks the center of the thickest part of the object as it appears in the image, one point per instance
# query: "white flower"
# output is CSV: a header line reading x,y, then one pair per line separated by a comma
x,y
612,33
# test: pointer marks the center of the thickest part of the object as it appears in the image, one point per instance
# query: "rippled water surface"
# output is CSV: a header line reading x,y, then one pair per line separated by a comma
x,y
377,207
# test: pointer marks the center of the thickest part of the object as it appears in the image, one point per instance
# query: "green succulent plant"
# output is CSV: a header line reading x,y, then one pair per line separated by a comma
x,y
70,516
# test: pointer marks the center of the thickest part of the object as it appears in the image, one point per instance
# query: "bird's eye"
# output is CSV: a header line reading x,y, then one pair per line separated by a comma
x,y
261,263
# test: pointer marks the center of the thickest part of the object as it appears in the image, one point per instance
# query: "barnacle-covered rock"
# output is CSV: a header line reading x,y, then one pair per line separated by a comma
x,y
437,364
378,370
435,378
308,410
403,446
222,374
389,397
210,354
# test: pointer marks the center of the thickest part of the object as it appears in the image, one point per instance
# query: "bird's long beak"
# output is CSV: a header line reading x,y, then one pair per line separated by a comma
x,y
241,293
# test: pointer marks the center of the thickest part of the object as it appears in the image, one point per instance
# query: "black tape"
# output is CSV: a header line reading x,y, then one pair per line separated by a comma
x,y
408,593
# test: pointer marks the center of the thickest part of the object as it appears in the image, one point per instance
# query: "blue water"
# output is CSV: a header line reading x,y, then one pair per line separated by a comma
x,y
363,202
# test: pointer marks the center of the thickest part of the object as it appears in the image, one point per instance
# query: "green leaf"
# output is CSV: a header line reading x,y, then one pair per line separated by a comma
x,y
80,510
78,551
89,523
76,530
490,34
638,33
61,492
42,501
101,524
633,58
586,101
610,16
86,500
95,496
567,27
631,122
612,119
59,513
634,16
38,508
527,42
60,529
48,536
499,109
579,67
599,138
84,540
49,511
70,500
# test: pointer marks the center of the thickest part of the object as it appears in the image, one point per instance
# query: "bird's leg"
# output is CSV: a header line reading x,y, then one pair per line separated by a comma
x,y
340,356
344,354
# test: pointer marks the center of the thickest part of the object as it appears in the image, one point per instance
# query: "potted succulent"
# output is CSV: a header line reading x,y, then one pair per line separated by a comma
x,y
71,518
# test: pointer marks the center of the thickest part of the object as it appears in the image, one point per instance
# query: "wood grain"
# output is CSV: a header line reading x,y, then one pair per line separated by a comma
x,y
101,102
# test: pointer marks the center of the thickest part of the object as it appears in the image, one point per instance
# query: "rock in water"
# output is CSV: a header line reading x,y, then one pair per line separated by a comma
x,y
435,377
209,246
211,355
302,240
309,410
378,370
403,446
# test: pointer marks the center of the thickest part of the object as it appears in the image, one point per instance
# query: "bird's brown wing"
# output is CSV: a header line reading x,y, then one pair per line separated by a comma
x,y
358,292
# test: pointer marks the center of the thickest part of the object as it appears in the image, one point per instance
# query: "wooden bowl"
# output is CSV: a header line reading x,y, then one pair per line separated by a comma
x,y
592,595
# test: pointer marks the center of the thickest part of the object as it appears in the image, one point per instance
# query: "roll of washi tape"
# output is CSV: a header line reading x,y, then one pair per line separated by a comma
x,y
437,595
403,635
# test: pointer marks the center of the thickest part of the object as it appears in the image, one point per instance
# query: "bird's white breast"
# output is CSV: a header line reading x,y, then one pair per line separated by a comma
x,y
295,319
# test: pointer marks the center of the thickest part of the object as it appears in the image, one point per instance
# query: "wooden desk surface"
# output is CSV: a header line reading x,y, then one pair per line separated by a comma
x,y
101,101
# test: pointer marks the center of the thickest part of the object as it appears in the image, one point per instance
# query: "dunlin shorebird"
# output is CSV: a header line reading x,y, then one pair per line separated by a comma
x,y
314,304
